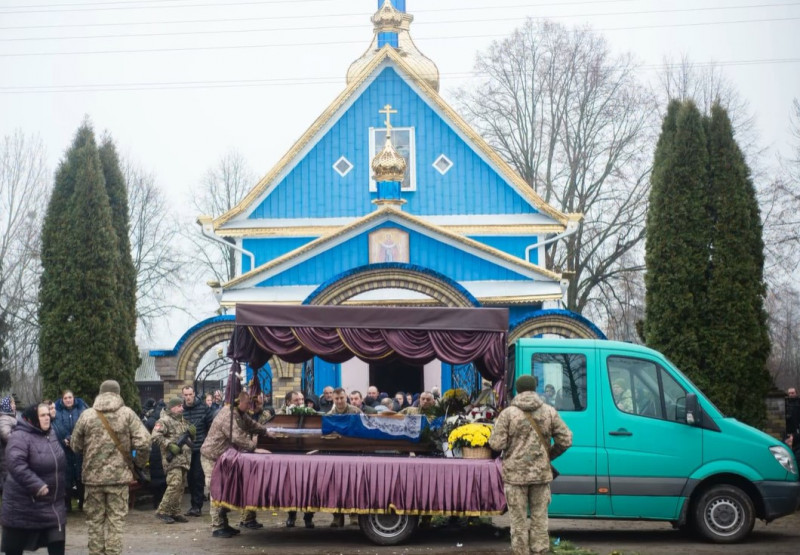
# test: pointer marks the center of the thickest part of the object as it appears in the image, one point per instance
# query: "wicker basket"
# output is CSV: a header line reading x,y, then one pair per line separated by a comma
x,y
476,452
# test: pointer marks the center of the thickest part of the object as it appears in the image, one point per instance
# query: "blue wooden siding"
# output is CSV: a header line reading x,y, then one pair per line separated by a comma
x,y
314,190
423,251
326,374
516,312
266,249
515,246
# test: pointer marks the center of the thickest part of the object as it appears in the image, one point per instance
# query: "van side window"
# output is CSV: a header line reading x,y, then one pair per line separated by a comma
x,y
562,379
644,388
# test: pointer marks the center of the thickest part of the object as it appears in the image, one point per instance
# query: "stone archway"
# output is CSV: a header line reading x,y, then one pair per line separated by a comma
x,y
438,287
178,367
563,323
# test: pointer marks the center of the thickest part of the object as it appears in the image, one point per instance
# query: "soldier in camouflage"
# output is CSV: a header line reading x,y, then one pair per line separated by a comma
x,y
106,474
166,434
222,435
526,463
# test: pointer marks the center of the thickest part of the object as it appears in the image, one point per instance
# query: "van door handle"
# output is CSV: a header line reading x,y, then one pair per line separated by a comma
x,y
620,432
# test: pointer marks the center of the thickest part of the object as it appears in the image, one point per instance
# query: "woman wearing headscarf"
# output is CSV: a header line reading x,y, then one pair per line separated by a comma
x,y
68,409
33,513
8,419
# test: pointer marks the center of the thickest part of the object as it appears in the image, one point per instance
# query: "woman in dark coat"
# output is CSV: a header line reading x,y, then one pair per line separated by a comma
x,y
68,410
8,420
33,513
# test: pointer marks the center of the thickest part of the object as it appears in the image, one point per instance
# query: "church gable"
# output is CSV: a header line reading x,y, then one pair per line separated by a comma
x,y
448,177
393,242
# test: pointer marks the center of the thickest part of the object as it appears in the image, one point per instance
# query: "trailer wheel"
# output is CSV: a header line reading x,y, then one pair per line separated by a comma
x,y
724,514
388,529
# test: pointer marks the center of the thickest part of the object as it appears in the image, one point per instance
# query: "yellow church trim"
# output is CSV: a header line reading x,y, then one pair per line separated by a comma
x,y
389,52
380,212
317,231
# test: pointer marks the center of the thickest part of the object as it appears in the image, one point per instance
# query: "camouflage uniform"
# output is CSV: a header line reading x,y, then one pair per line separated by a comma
x,y
106,474
526,467
167,431
218,441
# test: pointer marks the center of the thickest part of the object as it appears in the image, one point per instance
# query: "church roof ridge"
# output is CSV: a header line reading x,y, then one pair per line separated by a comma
x,y
392,211
387,52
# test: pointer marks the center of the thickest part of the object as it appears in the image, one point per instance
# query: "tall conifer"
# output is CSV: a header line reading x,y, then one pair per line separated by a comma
x,y
78,306
125,331
677,243
738,342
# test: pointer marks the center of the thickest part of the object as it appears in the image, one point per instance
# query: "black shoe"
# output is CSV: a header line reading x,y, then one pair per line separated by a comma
x,y
233,531
290,522
179,518
251,525
165,518
338,521
222,533
309,523
194,511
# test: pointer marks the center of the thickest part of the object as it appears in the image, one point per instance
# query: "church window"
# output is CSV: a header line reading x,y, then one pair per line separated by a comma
x,y
442,164
403,142
342,166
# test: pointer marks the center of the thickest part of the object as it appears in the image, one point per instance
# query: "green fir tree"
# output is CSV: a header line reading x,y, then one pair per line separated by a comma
x,y
125,331
677,241
78,310
737,334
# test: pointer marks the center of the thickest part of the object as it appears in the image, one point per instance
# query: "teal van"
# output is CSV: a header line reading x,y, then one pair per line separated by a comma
x,y
647,444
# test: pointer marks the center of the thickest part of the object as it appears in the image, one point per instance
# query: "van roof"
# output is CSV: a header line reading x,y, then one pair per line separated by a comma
x,y
583,344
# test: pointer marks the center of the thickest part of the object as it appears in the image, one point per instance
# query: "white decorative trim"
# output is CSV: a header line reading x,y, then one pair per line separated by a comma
x,y
446,160
412,157
346,161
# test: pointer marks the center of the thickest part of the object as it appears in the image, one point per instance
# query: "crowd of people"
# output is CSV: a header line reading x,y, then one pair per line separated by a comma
x,y
60,456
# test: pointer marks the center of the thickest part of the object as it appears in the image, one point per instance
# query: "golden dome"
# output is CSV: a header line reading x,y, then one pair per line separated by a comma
x,y
389,19
388,164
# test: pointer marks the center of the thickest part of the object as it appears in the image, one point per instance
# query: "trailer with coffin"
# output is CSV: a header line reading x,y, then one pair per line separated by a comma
x,y
389,483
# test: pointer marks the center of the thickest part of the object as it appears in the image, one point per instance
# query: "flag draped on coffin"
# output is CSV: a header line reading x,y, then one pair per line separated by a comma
x,y
407,428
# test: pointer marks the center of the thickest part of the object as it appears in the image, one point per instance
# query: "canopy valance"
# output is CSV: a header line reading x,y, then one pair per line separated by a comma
x,y
374,335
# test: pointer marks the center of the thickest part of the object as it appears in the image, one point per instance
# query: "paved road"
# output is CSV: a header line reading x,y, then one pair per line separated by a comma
x,y
145,535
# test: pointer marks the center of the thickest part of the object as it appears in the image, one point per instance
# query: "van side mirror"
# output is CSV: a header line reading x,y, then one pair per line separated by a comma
x,y
692,416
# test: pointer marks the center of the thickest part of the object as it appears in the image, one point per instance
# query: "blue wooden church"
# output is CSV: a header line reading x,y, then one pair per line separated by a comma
x,y
340,219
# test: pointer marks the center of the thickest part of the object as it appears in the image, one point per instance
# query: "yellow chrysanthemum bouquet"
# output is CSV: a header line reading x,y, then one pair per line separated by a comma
x,y
470,435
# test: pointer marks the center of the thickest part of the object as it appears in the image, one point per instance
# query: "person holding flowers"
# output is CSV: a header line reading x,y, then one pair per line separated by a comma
x,y
523,432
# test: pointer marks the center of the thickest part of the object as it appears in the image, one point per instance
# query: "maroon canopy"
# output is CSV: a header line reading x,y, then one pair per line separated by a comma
x,y
373,334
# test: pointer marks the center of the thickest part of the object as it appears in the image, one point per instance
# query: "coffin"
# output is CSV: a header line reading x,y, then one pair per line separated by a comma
x,y
304,433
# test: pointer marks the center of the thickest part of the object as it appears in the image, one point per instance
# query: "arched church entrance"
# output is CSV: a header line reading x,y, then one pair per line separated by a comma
x,y
357,286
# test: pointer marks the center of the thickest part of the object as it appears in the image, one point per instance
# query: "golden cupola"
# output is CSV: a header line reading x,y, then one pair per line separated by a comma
x,y
391,25
388,164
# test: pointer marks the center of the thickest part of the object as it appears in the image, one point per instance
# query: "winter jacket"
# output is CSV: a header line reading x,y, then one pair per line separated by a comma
x,y
167,431
103,464
219,437
157,475
7,423
34,460
64,423
201,416
525,459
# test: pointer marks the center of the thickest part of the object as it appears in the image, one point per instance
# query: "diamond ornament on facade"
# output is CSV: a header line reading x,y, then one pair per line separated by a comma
x,y
442,164
342,166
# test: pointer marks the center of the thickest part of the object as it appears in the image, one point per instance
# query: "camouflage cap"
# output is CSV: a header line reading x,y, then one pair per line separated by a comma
x,y
109,386
175,401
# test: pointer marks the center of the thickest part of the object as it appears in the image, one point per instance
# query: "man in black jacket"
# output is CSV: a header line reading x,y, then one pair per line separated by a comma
x,y
197,413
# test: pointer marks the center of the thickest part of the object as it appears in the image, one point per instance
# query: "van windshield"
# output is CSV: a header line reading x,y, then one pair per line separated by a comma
x,y
697,390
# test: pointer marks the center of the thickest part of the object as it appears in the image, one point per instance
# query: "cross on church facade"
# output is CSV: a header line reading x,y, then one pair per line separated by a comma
x,y
388,111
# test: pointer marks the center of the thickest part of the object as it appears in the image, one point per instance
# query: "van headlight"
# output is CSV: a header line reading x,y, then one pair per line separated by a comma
x,y
784,457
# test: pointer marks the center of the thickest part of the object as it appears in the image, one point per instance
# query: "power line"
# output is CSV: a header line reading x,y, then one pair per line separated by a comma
x,y
354,26
313,80
54,8
341,43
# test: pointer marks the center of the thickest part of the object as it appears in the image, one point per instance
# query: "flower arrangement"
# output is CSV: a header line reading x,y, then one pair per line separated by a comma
x,y
470,435
453,401
483,413
301,410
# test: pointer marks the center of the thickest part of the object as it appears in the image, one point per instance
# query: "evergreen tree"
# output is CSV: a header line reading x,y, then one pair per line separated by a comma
x,y
78,306
677,241
738,341
125,330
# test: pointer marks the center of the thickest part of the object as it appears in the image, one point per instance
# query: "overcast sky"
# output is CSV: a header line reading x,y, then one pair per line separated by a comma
x,y
180,82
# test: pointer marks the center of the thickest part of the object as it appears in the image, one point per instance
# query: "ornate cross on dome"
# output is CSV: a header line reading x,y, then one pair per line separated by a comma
x,y
388,111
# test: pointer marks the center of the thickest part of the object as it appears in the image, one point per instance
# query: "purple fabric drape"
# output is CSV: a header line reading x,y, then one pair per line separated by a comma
x,y
348,484
455,336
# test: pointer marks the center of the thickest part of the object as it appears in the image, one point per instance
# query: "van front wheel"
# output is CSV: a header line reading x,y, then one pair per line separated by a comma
x,y
724,514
